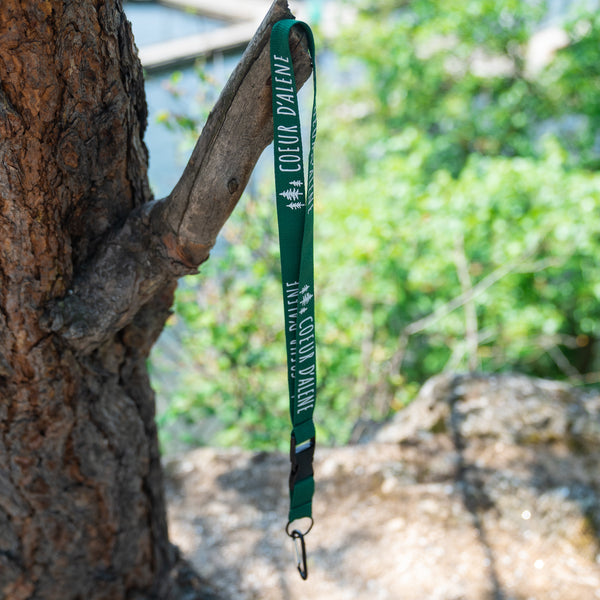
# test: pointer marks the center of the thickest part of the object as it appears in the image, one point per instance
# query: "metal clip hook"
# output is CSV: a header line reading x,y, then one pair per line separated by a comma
x,y
300,548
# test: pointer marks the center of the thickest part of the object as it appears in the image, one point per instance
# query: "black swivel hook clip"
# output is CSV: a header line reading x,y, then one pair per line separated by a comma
x,y
300,547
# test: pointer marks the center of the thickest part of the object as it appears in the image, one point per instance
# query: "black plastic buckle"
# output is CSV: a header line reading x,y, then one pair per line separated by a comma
x,y
301,457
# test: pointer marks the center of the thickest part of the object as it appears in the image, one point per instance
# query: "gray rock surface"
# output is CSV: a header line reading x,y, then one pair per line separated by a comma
x,y
484,488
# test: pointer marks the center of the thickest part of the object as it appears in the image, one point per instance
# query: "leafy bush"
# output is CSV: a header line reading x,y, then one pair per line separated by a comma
x,y
457,225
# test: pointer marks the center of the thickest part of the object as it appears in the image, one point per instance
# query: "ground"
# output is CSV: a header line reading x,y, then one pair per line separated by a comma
x,y
486,488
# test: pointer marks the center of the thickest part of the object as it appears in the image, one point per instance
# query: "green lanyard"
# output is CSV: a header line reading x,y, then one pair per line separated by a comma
x,y
295,216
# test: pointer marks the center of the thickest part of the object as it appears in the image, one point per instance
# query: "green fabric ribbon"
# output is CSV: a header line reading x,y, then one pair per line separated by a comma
x,y
295,217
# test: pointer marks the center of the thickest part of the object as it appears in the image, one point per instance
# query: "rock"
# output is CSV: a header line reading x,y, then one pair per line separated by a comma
x,y
484,488
511,408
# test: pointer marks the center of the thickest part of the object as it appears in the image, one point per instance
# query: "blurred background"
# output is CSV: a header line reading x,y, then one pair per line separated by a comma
x,y
457,211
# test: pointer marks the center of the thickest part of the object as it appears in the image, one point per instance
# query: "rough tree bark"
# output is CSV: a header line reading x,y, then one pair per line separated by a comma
x,y
88,266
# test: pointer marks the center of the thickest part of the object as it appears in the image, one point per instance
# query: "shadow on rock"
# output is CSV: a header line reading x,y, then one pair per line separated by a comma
x,y
484,488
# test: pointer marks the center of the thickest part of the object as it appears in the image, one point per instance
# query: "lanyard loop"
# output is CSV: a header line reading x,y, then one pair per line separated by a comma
x,y
295,217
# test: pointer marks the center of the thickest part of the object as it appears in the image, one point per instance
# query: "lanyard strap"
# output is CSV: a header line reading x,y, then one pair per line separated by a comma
x,y
295,217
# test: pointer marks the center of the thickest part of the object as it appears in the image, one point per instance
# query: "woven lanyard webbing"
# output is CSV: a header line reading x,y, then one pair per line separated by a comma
x,y
295,216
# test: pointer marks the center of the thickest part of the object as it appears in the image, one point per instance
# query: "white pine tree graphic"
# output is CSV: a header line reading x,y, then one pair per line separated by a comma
x,y
306,299
291,195
294,196
296,183
304,289
303,310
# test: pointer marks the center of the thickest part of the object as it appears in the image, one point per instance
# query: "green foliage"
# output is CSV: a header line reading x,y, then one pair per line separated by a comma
x,y
457,223
229,323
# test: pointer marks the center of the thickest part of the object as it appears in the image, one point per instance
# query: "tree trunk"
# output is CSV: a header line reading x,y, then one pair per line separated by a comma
x,y
88,265
82,509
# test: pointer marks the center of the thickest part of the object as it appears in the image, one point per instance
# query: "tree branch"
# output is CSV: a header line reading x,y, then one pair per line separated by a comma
x,y
235,135
464,278
171,237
